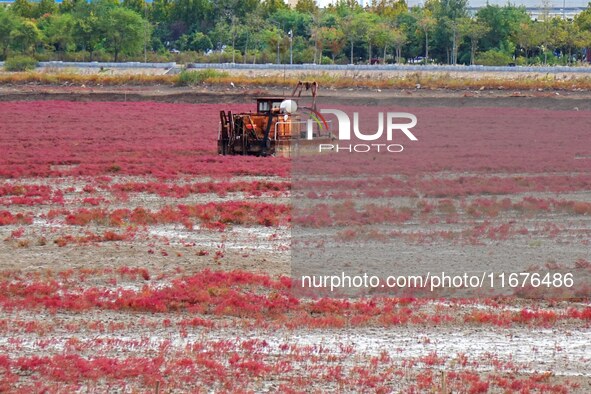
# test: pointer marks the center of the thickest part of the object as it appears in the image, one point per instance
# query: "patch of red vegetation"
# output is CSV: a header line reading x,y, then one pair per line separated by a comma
x,y
55,138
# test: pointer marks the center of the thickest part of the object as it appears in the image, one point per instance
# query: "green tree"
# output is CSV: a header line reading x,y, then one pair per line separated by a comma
x,y
307,6
373,34
270,7
160,17
289,19
447,15
22,8
557,33
584,39
474,30
235,29
222,34
274,38
546,28
573,37
161,11
316,37
426,23
68,6
26,36
8,22
503,23
329,19
123,31
388,9
528,37
58,30
344,8
138,6
44,7
380,35
456,34
399,39
356,27
257,39
87,28
190,15
407,24
583,19
225,10
583,23
333,39
200,42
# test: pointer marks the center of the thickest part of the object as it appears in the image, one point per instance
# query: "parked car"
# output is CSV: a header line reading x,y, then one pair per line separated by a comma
x,y
418,60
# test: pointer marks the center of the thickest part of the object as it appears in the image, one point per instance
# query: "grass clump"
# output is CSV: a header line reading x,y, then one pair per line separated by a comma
x,y
493,58
187,78
20,63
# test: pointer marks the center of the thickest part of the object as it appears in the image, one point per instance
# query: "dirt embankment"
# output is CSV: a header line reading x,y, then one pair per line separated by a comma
x,y
543,99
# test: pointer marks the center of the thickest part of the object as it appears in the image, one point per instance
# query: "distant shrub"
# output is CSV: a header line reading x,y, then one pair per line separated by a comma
x,y
20,63
187,78
342,59
493,58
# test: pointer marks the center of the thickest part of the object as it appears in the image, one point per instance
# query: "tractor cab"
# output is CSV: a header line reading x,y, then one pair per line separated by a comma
x,y
269,104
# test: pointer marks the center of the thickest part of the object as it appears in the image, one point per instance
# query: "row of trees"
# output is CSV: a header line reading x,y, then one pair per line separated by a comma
x,y
269,31
30,28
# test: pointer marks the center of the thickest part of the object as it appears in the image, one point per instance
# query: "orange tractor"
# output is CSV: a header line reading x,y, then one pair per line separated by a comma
x,y
279,127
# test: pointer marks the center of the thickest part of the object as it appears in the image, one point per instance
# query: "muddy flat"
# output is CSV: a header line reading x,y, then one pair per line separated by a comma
x,y
135,258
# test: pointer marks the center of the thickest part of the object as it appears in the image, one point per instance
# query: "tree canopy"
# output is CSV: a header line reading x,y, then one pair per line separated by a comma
x,y
442,31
